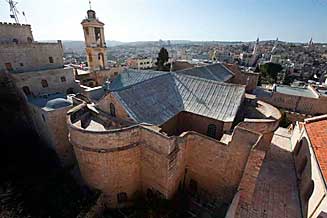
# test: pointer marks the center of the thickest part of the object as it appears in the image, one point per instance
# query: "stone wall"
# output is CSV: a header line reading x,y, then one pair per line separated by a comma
x,y
139,158
216,167
104,105
185,121
52,129
109,162
10,31
299,104
33,80
31,56
102,76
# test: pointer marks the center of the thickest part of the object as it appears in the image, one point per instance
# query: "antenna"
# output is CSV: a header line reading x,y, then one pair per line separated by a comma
x,y
13,10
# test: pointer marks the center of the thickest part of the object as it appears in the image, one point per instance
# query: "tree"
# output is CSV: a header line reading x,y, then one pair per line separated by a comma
x,y
162,59
269,71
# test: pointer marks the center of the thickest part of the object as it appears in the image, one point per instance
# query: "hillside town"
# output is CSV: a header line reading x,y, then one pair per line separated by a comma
x,y
162,128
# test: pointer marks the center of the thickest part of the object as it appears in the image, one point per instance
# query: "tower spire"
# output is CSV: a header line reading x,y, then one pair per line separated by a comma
x,y
90,3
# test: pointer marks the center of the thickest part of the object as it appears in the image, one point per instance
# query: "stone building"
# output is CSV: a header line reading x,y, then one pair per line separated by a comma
x,y
140,63
157,133
37,70
309,142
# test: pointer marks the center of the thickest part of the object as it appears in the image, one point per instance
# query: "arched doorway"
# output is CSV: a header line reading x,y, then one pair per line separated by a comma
x,y
212,131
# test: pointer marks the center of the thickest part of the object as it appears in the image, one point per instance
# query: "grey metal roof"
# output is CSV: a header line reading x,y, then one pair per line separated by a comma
x,y
217,72
161,97
131,77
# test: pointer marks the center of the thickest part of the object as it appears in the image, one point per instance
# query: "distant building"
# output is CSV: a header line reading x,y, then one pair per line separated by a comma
x,y
309,142
140,63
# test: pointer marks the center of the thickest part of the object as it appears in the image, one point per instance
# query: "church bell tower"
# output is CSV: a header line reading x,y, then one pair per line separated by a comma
x,y
94,41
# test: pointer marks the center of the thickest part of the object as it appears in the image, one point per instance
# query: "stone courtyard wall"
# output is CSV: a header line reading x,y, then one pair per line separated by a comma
x,y
138,158
299,104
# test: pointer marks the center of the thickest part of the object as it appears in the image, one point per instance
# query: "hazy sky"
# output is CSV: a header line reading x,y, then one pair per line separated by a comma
x,y
138,20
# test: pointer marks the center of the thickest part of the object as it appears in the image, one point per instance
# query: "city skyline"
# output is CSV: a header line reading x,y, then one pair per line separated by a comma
x,y
144,20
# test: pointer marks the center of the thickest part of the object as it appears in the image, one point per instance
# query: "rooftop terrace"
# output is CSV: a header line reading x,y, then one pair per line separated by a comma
x,y
297,91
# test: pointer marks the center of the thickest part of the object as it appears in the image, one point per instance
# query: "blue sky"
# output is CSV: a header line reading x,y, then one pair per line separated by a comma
x,y
140,20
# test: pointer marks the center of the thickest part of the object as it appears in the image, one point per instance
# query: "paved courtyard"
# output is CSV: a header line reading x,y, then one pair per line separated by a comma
x,y
276,193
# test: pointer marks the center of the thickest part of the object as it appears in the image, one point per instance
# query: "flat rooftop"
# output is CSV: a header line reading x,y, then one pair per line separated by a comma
x,y
297,91
52,101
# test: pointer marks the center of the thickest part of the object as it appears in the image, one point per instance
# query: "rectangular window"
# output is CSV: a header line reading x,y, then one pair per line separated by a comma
x,y
122,197
9,67
63,79
44,83
51,60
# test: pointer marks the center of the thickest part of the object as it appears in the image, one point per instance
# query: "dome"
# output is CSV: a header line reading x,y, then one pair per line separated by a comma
x,y
58,103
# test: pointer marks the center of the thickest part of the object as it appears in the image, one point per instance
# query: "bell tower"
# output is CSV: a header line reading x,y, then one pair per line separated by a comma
x,y
94,41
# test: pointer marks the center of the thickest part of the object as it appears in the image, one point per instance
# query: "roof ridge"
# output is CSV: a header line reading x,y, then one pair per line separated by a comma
x,y
209,80
315,119
141,82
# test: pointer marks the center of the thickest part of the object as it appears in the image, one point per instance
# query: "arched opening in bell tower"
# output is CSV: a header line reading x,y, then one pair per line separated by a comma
x,y
101,60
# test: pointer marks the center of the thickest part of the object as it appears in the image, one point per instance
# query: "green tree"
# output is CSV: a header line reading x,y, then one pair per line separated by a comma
x,y
269,72
162,59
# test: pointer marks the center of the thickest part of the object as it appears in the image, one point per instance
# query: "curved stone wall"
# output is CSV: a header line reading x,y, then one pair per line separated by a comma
x,y
108,160
263,118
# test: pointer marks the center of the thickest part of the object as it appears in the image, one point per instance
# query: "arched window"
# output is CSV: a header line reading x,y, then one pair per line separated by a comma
x,y
212,131
44,83
86,29
26,90
193,186
122,197
90,57
51,60
112,110
29,40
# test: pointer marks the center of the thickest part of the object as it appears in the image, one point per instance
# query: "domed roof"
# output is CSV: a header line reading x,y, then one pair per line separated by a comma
x,y
58,103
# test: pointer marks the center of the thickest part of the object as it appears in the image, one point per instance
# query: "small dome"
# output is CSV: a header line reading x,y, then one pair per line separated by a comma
x,y
58,103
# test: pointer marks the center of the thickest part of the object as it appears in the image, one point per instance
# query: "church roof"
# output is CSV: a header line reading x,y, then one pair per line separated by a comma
x,y
217,72
157,97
